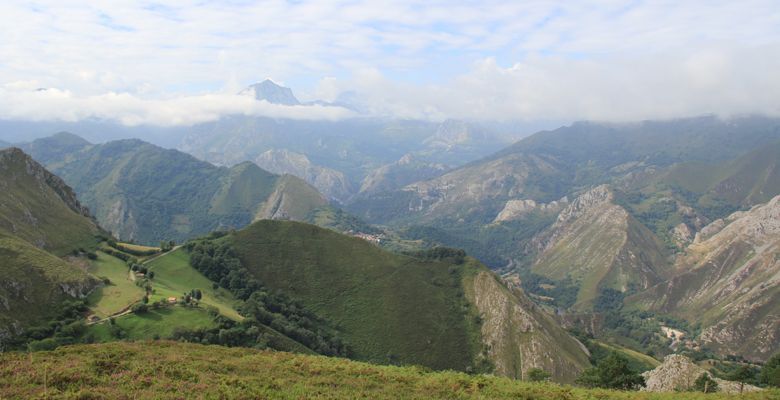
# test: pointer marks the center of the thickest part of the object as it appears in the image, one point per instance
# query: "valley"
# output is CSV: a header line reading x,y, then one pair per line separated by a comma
x,y
567,260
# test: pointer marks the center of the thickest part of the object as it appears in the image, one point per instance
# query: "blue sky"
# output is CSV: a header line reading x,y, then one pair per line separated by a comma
x,y
527,60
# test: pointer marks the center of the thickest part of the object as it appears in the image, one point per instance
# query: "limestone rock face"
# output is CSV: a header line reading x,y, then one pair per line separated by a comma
x,y
729,281
678,373
682,234
515,209
520,336
598,244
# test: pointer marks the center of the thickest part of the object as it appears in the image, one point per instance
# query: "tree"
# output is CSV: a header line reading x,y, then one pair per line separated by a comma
x,y
704,383
742,375
140,308
150,275
770,374
612,372
538,375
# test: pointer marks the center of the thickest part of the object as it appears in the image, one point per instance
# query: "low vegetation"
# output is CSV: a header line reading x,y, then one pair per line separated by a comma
x,y
169,370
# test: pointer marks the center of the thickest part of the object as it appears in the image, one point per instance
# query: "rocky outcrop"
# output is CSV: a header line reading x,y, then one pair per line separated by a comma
x,y
520,336
682,235
729,281
329,182
291,199
678,373
597,245
515,209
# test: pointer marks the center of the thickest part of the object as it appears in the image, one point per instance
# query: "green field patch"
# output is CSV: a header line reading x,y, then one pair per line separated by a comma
x,y
158,323
121,291
173,276
637,359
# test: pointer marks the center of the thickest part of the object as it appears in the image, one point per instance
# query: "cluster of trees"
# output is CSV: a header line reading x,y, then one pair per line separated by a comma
x,y
612,372
770,373
90,254
218,261
128,250
67,327
563,293
167,245
441,253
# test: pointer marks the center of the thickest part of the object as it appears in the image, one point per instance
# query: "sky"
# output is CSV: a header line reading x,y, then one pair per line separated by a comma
x,y
183,62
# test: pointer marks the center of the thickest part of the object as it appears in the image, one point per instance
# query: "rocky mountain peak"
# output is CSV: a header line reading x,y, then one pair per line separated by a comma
x,y
269,91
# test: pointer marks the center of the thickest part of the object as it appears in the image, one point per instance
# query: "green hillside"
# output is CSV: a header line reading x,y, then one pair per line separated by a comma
x,y
35,284
40,221
54,148
169,370
38,207
748,180
390,308
436,309
145,193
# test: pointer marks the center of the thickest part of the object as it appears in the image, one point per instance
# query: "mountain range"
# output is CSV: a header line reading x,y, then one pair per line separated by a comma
x,y
436,308
145,193
618,232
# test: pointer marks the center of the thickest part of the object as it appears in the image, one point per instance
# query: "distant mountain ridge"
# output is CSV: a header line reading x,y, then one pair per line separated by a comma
x,y
145,193
333,184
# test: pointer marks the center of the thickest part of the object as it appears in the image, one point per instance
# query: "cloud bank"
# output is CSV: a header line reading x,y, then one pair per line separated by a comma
x,y
130,110
178,63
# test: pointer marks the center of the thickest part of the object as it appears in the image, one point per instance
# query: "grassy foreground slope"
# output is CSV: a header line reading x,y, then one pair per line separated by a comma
x,y
169,370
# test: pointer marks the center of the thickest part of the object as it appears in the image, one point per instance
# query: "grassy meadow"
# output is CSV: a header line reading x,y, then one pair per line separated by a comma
x,y
120,293
174,276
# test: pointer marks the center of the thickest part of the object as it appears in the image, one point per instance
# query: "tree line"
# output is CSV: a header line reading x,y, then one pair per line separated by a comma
x,y
262,307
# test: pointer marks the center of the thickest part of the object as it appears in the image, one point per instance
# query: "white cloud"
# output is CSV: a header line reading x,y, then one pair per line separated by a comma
x,y
665,85
54,104
605,59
